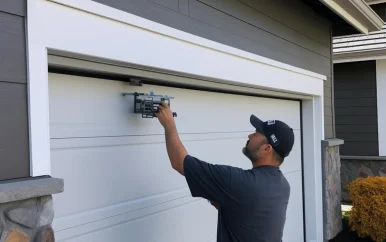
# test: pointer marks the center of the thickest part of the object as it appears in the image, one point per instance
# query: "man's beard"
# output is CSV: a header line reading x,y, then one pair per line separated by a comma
x,y
248,154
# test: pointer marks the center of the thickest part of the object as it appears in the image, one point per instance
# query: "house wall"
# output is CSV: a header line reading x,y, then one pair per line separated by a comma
x,y
356,108
286,31
119,39
14,145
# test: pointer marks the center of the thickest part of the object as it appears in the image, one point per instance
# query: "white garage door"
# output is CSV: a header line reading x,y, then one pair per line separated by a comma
x,y
119,185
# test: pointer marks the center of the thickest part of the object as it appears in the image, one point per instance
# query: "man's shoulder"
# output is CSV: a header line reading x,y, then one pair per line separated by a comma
x,y
192,160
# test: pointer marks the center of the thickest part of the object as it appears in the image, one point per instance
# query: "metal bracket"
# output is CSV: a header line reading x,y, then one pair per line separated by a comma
x,y
147,104
135,82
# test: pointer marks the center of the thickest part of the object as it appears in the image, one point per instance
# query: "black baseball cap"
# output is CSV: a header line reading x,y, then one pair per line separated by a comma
x,y
278,134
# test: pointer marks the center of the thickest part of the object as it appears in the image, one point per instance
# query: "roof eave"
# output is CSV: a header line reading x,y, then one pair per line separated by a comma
x,y
357,13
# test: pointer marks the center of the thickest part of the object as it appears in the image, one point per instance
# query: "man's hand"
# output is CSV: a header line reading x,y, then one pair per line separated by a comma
x,y
165,116
174,146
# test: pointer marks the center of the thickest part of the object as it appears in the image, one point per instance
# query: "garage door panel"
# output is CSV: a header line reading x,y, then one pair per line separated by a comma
x,y
121,219
100,177
169,223
122,212
88,107
293,230
118,177
293,161
94,174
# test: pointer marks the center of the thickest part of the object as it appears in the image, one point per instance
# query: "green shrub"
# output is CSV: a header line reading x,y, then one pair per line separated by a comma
x,y
368,214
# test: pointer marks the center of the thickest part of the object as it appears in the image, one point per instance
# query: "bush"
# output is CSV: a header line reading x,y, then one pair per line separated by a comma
x,y
368,214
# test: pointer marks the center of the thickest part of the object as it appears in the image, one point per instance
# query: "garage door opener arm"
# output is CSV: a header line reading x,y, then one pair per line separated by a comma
x,y
147,104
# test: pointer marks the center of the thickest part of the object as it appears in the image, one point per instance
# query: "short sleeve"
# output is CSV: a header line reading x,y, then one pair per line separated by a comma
x,y
212,182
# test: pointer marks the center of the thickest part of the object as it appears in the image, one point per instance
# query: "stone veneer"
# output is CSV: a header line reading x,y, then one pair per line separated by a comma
x,y
331,186
355,167
26,209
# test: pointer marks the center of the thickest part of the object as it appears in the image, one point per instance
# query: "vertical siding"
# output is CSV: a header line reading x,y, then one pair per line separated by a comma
x,y
14,140
356,108
287,31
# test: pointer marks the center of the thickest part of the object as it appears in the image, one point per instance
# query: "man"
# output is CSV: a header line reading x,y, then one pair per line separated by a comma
x,y
251,204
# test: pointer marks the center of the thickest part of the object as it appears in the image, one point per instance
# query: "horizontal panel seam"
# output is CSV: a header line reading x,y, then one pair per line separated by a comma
x,y
162,210
148,214
146,135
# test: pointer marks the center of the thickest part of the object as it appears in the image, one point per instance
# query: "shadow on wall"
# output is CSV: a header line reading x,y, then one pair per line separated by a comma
x,y
353,169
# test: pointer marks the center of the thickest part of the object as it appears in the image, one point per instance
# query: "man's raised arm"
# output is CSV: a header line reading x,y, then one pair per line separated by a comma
x,y
174,146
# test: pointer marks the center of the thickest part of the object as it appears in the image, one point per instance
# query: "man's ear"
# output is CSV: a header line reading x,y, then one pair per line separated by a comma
x,y
268,148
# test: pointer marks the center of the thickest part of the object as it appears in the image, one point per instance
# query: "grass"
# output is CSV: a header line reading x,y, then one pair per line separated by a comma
x,y
346,235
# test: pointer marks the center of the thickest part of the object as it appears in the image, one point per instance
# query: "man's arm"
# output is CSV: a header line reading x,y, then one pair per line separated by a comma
x,y
213,182
174,146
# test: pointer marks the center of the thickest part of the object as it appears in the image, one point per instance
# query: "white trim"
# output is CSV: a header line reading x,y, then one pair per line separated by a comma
x,y
337,59
357,13
345,15
112,68
312,171
133,20
369,13
381,102
87,28
371,2
37,96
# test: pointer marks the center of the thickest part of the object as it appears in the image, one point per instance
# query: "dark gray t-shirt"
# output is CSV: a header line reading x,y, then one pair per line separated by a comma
x,y
253,202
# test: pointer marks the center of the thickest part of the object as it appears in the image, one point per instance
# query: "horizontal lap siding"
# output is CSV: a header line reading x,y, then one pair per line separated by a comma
x,y
356,107
286,31
14,135
16,7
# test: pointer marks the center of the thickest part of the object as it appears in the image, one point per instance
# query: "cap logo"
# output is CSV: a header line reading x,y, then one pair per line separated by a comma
x,y
274,139
270,122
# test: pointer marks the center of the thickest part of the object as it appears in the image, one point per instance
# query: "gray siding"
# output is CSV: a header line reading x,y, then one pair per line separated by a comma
x,y
356,108
16,7
329,129
284,30
12,48
14,139
14,157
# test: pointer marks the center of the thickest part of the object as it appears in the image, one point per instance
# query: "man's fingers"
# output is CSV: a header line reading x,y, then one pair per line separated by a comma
x,y
164,105
161,106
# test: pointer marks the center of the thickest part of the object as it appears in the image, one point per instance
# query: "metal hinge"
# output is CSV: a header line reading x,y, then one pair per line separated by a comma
x,y
135,82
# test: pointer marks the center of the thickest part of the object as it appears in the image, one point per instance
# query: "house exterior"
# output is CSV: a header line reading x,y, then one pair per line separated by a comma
x,y
73,148
360,105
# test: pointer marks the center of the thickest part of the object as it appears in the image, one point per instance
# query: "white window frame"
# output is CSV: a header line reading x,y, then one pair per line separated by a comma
x,y
381,105
59,26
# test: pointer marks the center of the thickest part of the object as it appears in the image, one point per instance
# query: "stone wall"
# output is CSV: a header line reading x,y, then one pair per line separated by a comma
x,y
331,186
355,167
27,211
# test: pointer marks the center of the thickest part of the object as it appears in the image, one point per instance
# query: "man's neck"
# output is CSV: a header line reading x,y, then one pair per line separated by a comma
x,y
265,163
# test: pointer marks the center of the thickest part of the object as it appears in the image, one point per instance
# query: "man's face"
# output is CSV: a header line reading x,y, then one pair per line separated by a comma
x,y
254,148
